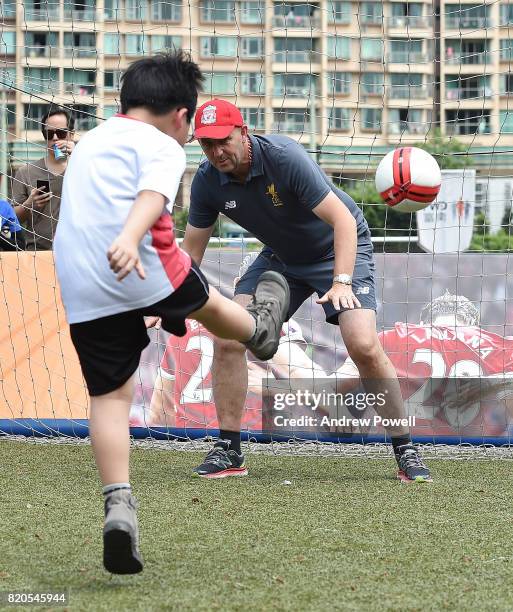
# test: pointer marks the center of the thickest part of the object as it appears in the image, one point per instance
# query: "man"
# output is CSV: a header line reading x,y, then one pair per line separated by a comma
x,y
38,208
453,373
315,235
182,393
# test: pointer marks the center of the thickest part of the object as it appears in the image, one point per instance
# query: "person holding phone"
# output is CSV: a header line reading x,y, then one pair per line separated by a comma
x,y
37,186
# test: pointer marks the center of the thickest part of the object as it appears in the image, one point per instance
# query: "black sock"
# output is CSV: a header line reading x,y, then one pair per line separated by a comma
x,y
233,437
400,441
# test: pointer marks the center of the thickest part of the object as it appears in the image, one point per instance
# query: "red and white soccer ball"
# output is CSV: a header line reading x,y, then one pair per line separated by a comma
x,y
408,179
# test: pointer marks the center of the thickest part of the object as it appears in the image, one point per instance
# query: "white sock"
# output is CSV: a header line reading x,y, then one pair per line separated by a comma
x,y
116,486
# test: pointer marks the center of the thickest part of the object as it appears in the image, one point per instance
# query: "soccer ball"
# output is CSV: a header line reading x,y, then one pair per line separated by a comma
x,y
408,179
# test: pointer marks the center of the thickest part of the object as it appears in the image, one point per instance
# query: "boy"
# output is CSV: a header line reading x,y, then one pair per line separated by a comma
x,y
114,219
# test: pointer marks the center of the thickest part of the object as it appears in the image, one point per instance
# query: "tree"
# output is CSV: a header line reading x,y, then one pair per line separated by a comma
x,y
444,149
501,242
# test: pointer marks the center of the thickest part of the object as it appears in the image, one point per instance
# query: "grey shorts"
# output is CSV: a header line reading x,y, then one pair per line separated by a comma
x,y
317,277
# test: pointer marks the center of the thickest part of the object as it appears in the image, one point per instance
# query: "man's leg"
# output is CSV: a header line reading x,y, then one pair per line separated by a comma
x,y
358,329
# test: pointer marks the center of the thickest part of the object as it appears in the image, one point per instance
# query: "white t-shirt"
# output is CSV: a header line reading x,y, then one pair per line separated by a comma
x,y
108,168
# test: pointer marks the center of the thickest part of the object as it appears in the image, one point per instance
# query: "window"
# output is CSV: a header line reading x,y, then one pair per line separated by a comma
x,y
254,118
294,85
371,84
506,83
339,83
407,14
216,11
40,44
112,44
252,83
293,49
406,86
339,119
506,122
371,13
405,120
219,83
135,10
222,46
370,119
135,44
8,77
291,120
7,43
162,42
506,14
81,44
252,12
506,50
8,10
339,12
167,11
339,47
406,52
11,115
110,111
111,80
33,113
85,116
465,16
41,80
252,47
112,10
372,49
467,88
467,122
41,10
79,81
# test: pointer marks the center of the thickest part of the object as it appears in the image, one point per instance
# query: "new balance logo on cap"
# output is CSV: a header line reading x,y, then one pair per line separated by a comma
x,y
230,204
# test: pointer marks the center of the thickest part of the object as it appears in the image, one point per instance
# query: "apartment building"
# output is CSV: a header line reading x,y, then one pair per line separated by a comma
x,y
345,78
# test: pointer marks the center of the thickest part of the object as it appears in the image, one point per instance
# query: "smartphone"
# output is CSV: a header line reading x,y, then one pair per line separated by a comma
x,y
43,186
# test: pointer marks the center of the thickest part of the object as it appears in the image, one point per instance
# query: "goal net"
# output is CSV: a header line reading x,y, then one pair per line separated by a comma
x,y
350,81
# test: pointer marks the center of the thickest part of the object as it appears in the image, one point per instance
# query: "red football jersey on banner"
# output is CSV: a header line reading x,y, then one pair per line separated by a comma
x,y
426,357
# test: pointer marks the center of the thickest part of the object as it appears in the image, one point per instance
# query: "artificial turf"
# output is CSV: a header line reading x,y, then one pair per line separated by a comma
x,y
343,535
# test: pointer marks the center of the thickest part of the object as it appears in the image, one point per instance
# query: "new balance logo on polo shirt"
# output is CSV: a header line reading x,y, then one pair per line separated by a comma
x,y
230,204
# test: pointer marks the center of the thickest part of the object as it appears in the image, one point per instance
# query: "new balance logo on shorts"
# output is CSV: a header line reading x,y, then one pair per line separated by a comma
x,y
230,204
362,291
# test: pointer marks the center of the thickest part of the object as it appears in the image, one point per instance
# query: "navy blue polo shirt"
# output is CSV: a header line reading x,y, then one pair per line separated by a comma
x,y
275,203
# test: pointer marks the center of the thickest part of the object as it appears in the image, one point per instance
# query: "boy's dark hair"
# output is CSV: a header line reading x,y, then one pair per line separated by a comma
x,y
58,110
161,83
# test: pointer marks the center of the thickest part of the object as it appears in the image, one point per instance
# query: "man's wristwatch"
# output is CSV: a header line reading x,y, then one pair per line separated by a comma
x,y
344,279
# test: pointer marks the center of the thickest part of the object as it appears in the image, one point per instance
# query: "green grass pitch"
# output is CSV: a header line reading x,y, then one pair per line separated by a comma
x,y
344,535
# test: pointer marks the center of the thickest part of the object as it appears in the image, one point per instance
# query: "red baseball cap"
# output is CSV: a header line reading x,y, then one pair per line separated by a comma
x,y
216,119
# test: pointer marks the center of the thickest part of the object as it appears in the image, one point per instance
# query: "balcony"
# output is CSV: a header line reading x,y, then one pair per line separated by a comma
x,y
87,52
294,57
408,57
407,92
38,51
86,14
298,21
293,91
470,93
410,22
403,127
467,23
50,13
291,127
79,90
481,57
468,128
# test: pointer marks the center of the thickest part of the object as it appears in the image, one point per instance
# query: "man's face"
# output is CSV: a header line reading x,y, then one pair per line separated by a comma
x,y
225,155
56,130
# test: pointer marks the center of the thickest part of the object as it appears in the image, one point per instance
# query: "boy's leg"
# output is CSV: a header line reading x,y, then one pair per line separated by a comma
x,y
110,439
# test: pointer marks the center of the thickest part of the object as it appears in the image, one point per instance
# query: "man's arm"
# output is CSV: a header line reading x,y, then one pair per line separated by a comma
x,y
196,241
334,212
162,406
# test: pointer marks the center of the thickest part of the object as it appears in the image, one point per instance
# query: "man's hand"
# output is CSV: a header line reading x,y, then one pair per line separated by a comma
x,y
37,199
152,322
66,146
341,296
123,256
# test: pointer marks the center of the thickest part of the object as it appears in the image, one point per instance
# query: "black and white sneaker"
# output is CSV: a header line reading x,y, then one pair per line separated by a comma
x,y
269,307
121,534
221,462
411,466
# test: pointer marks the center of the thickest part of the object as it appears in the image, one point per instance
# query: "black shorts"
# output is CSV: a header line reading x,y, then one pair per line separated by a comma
x,y
109,348
317,277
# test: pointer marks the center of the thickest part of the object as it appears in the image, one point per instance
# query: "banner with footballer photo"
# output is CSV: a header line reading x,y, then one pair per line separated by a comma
x,y
454,372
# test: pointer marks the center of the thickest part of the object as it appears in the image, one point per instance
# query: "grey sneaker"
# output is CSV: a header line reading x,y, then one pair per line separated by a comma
x,y
121,534
269,307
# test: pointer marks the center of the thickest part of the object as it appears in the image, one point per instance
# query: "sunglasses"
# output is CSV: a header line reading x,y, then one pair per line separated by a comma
x,y
61,134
